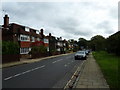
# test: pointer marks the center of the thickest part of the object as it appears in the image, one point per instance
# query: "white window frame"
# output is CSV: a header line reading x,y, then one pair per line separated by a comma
x,y
46,40
32,39
48,49
58,43
38,39
58,49
37,32
27,29
24,38
25,50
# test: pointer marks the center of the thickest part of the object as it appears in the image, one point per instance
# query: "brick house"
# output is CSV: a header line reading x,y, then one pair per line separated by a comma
x,y
28,37
60,45
25,36
65,45
52,44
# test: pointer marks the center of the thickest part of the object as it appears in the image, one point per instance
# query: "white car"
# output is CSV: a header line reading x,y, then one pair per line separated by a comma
x,y
80,55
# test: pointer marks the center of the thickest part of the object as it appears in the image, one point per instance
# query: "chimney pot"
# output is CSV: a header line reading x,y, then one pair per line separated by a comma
x,y
49,34
41,31
6,21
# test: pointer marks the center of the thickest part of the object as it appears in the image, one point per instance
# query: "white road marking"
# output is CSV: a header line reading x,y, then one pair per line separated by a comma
x,y
17,75
8,78
24,72
65,65
57,60
54,62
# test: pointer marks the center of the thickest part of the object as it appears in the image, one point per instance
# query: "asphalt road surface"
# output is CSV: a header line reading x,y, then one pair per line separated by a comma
x,y
50,73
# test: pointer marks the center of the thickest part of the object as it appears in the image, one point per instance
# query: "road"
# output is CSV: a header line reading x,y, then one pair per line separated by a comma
x,y
50,73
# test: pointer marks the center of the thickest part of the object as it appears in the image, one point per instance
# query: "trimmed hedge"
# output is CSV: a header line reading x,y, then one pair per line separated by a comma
x,y
10,51
39,51
9,47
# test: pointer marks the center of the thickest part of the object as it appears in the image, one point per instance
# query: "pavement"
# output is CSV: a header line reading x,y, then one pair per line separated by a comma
x,y
91,76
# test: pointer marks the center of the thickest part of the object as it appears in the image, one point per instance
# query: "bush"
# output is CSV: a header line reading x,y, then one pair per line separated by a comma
x,y
39,49
42,49
9,47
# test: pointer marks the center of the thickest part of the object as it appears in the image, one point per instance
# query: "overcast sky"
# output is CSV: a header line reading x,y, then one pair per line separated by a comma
x,y
69,20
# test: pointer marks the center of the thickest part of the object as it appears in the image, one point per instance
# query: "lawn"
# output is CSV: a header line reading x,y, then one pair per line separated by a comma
x,y
109,66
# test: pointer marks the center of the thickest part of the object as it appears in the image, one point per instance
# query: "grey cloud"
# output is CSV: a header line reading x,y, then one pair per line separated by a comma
x,y
106,26
69,19
114,13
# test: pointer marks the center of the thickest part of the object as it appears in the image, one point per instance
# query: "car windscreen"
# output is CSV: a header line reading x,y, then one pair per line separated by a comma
x,y
80,52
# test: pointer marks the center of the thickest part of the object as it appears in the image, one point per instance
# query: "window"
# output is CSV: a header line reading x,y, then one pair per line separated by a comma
x,y
27,29
58,49
24,50
46,41
37,32
33,39
48,49
38,39
58,43
24,38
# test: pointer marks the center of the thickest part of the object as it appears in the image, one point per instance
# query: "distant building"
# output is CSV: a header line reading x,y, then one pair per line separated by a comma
x,y
52,44
61,45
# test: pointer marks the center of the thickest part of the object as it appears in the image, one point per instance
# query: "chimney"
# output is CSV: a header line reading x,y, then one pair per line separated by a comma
x,y
50,34
41,31
60,38
6,21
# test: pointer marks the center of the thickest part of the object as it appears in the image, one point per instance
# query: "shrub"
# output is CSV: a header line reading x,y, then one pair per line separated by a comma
x,y
42,49
9,47
39,49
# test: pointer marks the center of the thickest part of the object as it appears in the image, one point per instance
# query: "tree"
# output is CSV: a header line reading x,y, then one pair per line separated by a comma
x,y
82,43
98,43
113,43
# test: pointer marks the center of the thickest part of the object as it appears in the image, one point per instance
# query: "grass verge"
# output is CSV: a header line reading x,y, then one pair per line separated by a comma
x,y
109,66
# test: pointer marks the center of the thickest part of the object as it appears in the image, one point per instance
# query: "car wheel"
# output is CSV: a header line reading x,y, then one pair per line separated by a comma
x,y
75,58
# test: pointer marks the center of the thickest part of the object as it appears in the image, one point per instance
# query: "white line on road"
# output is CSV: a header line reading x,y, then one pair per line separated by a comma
x,y
24,72
54,62
57,60
17,75
65,65
8,78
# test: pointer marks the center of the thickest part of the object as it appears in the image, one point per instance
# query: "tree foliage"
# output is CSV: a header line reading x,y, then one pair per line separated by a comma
x,y
82,43
98,43
113,43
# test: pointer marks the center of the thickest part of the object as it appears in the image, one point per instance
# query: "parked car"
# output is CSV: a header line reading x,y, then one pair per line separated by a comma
x,y
87,52
80,55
